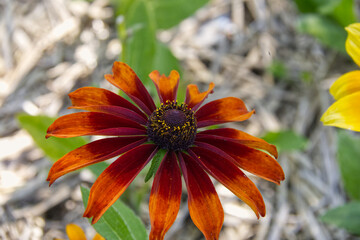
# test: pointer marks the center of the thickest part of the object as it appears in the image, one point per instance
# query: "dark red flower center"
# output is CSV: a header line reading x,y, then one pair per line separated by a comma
x,y
172,126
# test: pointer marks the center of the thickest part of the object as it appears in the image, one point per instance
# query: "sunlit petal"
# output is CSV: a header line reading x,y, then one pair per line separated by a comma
x,y
194,98
352,43
344,113
249,159
113,181
231,177
165,197
126,79
223,110
346,84
88,123
90,96
166,86
98,237
92,153
75,232
231,134
204,204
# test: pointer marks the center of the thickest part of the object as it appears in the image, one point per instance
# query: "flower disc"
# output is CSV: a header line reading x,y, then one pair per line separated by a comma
x,y
172,126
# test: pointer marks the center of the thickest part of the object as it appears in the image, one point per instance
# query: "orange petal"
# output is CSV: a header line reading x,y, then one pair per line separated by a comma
x,y
92,153
251,160
165,197
75,232
231,134
346,84
352,43
166,86
204,204
116,111
126,79
223,110
114,180
98,237
344,113
88,123
194,98
90,96
231,177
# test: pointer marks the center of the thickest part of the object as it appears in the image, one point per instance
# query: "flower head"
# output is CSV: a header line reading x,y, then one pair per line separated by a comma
x,y
139,132
344,112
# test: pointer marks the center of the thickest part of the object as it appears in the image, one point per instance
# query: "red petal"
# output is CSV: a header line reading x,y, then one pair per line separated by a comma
x,y
231,177
194,98
92,153
126,79
223,110
251,160
231,134
204,204
89,123
90,96
116,178
116,111
165,196
166,86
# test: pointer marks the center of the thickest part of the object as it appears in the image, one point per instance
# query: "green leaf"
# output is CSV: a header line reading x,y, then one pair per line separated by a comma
x,y
327,31
344,13
98,168
347,216
164,60
317,6
53,147
306,6
348,158
286,140
119,222
140,43
155,163
171,12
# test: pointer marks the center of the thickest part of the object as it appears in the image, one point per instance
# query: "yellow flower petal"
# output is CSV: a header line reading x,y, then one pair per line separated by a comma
x,y
75,232
344,113
346,84
352,44
98,237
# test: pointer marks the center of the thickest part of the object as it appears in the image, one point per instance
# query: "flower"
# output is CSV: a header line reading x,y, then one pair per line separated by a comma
x,y
345,112
75,232
138,134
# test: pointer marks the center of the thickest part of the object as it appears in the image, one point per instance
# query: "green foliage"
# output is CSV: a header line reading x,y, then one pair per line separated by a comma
x,y
119,222
141,19
341,11
326,19
169,13
344,13
326,30
53,147
347,216
286,140
155,163
349,163
278,69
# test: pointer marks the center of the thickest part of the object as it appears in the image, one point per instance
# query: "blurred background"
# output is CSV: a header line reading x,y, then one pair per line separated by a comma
x,y
279,56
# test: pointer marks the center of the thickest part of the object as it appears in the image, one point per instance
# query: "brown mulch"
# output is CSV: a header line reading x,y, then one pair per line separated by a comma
x,y
49,48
